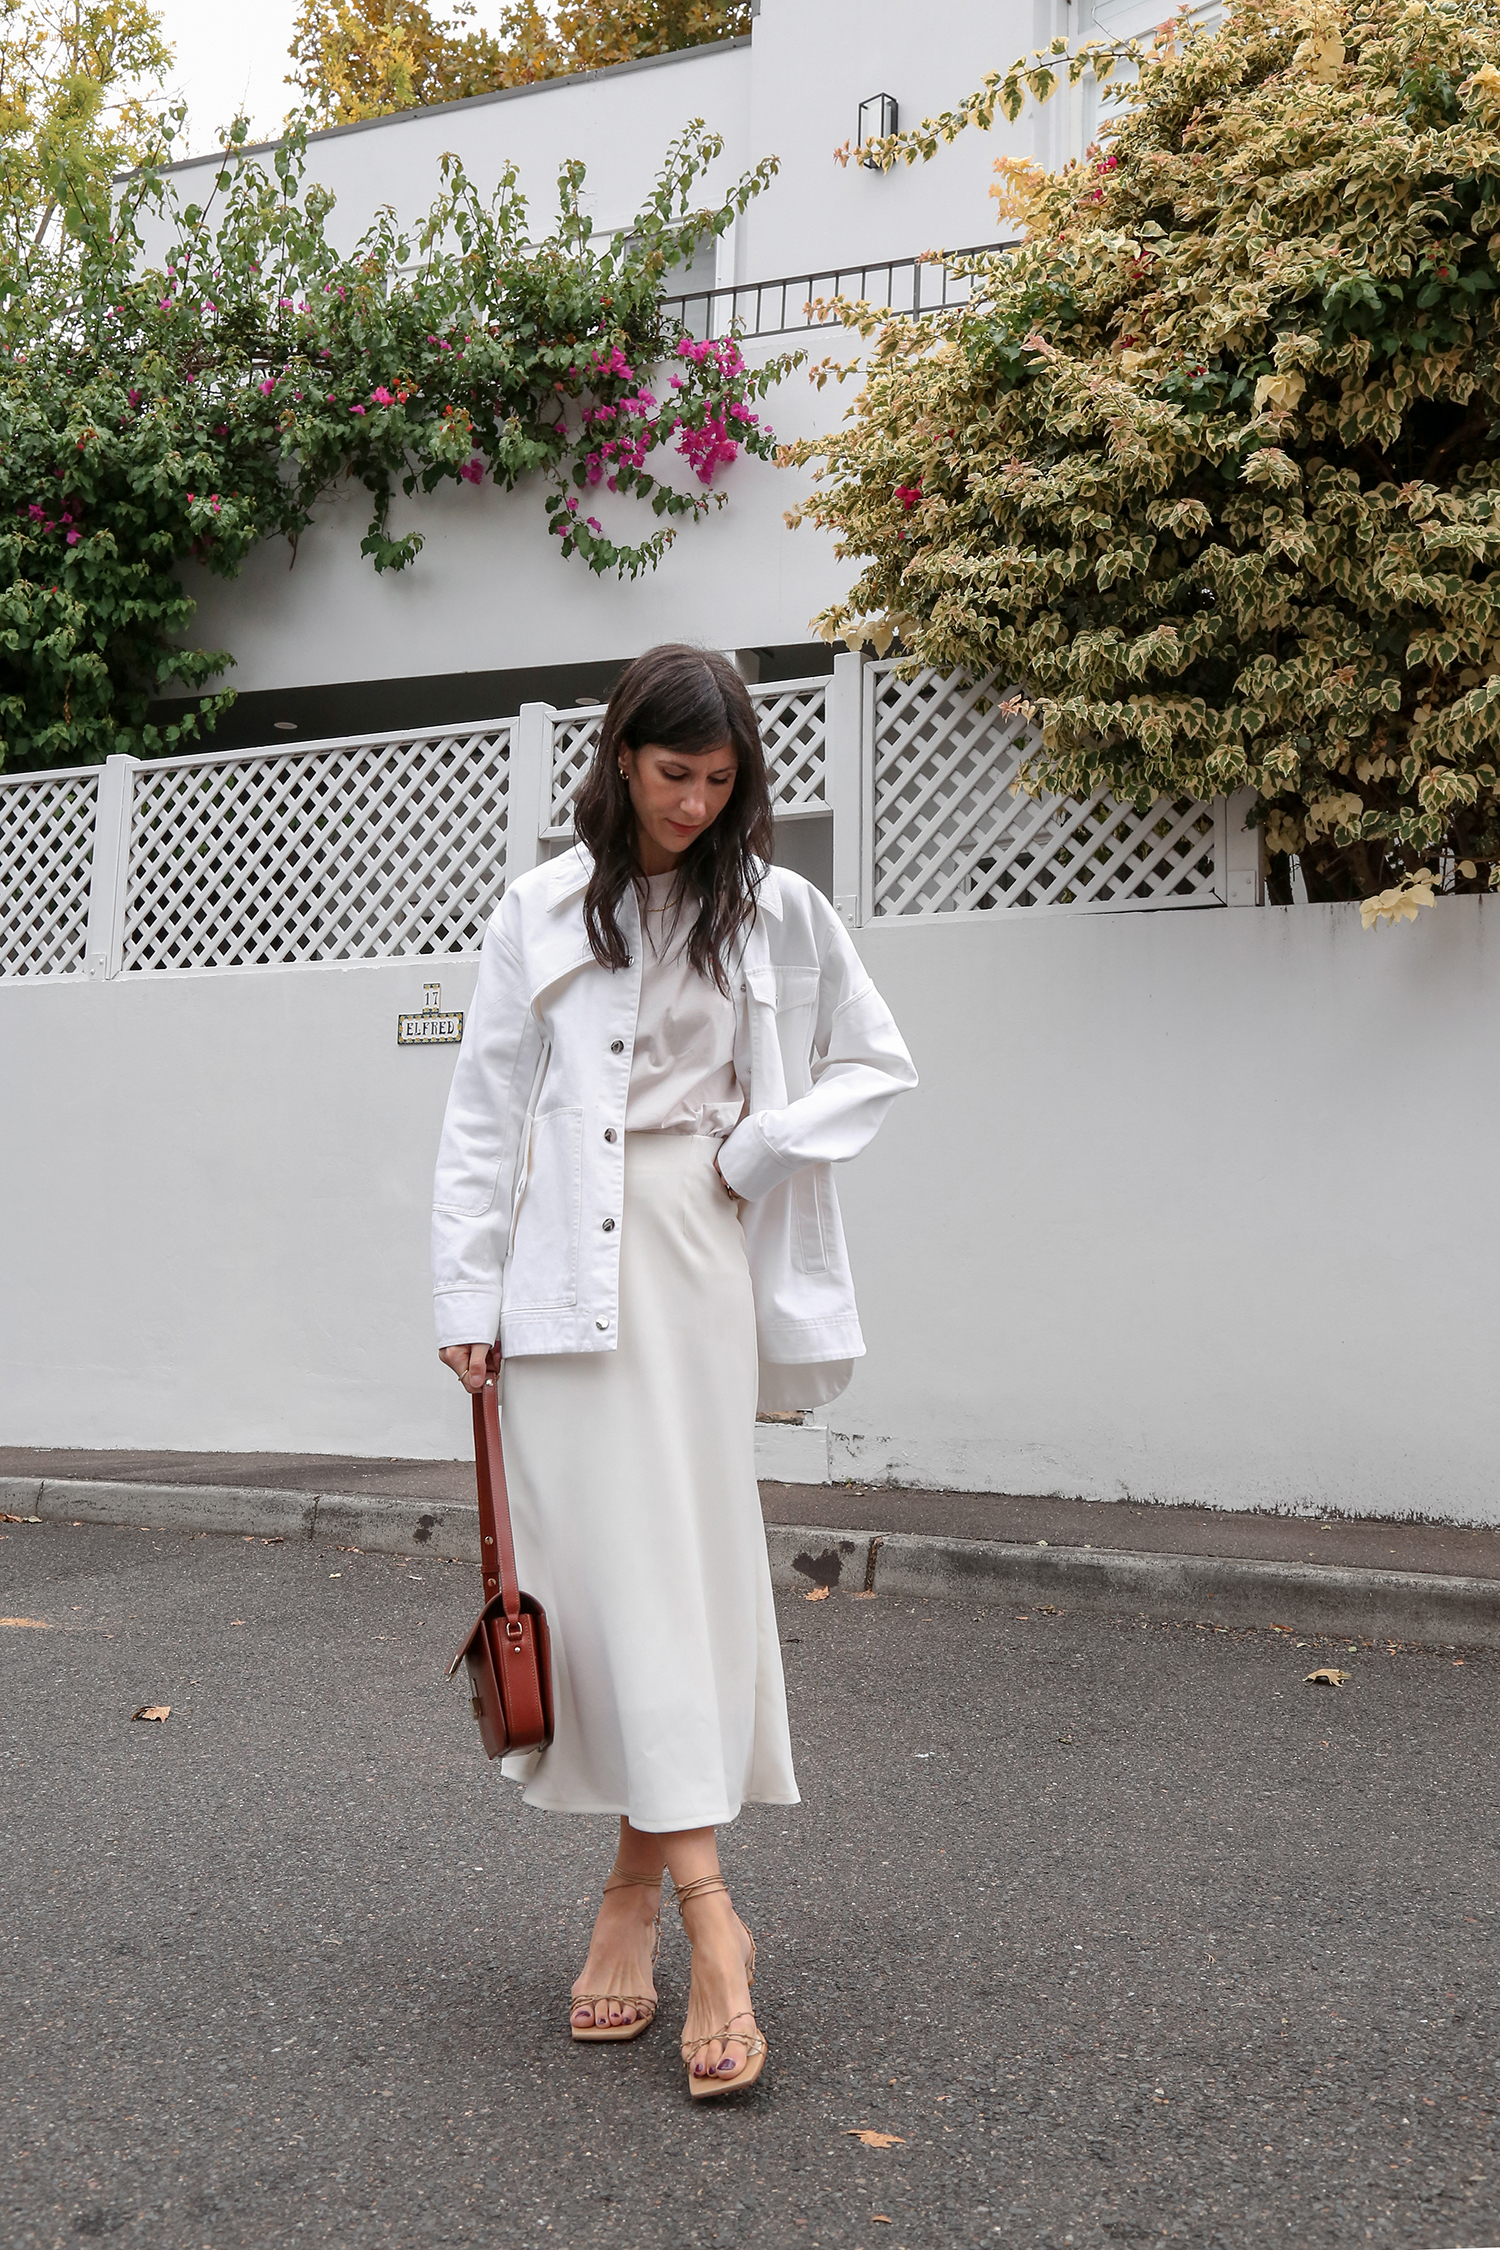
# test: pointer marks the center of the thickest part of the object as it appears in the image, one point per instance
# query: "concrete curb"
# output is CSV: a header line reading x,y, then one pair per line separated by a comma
x,y
1308,1597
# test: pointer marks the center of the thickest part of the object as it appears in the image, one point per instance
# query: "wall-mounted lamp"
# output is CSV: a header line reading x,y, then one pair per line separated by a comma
x,y
285,726
877,121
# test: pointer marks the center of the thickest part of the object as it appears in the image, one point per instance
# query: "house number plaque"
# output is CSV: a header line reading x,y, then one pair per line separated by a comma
x,y
434,1026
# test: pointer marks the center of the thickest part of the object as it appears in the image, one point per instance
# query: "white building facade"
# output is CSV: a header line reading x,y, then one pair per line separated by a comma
x,y
1164,1219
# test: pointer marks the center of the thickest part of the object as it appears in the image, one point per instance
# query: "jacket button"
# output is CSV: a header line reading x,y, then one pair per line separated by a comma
x,y
617,1046
609,1226
610,1134
601,1323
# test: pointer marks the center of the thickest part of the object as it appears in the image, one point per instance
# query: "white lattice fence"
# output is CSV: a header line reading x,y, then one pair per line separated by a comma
x,y
346,851
793,716
575,738
950,837
793,727
46,859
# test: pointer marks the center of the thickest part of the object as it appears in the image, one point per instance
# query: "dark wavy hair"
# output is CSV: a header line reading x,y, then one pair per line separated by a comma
x,y
688,699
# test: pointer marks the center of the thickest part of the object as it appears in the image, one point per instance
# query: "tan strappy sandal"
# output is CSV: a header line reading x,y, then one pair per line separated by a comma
x,y
710,2083
585,2033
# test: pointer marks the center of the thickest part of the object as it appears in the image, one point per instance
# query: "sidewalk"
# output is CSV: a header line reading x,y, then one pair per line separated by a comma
x,y
1361,1577
1350,1542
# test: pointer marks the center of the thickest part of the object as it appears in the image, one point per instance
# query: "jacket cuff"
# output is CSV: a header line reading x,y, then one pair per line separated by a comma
x,y
749,1163
466,1316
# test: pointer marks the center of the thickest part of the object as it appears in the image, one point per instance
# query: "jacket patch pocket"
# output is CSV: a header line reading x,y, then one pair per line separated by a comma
x,y
795,988
543,1268
812,1219
796,1012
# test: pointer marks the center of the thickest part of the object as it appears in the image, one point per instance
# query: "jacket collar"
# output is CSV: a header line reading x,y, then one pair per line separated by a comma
x,y
568,876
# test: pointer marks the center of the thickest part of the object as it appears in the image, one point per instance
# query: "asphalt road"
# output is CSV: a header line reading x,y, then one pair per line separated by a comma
x,y
1127,1934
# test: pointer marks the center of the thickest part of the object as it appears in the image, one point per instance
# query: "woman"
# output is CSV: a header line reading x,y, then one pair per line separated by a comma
x,y
669,1045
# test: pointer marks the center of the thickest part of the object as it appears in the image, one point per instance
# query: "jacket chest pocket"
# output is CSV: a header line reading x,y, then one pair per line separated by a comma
x,y
789,996
544,1260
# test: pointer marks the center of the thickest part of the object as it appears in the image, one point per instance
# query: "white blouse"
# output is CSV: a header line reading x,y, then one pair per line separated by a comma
x,y
682,1072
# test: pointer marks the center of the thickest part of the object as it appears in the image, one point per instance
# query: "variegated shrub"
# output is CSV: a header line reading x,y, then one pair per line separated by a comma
x,y
1210,464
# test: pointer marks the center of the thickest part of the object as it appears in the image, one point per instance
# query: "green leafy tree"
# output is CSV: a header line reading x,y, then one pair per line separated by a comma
x,y
70,112
203,397
1210,465
367,58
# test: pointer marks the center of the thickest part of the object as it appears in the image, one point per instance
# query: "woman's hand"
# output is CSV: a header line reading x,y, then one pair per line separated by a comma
x,y
467,1362
724,1184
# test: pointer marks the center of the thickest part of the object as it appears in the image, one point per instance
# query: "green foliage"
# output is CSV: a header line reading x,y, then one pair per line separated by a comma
x,y
366,58
1210,465
70,114
201,396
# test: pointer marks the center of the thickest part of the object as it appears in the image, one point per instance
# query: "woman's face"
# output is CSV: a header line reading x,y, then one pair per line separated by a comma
x,y
676,795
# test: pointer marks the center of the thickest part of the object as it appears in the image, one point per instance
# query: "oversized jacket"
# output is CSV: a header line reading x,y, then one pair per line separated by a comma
x,y
527,1203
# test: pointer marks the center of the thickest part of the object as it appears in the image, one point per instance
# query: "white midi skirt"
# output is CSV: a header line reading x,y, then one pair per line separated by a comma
x,y
638,1525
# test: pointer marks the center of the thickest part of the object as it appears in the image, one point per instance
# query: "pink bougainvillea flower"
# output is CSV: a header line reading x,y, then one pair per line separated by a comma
x,y
592,521
473,471
266,387
72,538
356,410
381,396
909,495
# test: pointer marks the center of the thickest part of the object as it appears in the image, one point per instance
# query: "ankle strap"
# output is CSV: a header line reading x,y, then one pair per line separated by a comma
x,y
704,1885
624,1882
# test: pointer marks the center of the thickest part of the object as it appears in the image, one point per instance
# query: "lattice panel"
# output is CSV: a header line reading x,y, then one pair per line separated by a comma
x,y
357,851
793,728
46,862
951,838
575,738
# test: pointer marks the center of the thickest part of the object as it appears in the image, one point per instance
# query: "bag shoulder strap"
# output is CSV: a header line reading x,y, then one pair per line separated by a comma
x,y
497,1552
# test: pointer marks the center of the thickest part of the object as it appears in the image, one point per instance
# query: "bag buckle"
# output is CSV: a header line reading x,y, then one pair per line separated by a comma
x,y
514,1631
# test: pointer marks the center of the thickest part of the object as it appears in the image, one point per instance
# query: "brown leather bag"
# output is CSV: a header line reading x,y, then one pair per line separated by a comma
x,y
508,1651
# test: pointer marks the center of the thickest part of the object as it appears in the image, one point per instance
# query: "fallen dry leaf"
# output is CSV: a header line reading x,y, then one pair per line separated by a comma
x,y
7,1518
871,1597
880,2218
818,1594
1326,1676
40,1622
153,1711
873,2140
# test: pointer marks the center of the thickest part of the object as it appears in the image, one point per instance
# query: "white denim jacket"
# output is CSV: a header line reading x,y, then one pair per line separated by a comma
x,y
527,1203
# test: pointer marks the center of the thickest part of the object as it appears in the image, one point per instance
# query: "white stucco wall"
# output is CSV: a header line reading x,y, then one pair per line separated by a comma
x,y
1190,1206
793,92
490,590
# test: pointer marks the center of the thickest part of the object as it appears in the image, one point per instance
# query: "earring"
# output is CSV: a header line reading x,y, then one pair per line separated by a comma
x,y
624,776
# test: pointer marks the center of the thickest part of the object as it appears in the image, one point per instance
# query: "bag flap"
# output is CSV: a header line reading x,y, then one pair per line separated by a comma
x,y
469,1639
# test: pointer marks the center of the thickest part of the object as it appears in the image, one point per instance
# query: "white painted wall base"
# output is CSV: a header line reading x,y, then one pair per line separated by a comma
x,y
1189,1206
792,1453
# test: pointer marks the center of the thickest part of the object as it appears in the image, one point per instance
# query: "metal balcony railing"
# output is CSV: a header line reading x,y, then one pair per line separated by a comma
x,y
904,287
